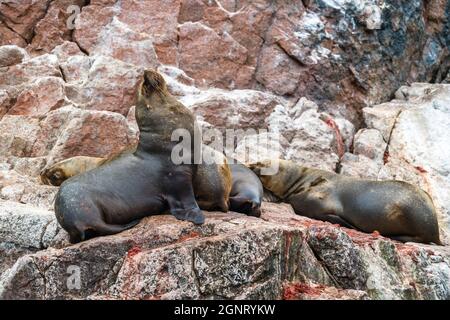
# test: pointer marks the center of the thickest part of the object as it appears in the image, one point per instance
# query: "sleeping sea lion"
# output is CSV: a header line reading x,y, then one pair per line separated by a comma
x,y
395,209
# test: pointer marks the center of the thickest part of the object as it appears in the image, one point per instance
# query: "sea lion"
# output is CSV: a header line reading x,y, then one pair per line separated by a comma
x,y
395,209
59,172
246,191
212,182
114,196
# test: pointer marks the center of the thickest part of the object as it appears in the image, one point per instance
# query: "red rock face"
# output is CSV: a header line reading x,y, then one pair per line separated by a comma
x,y
39,97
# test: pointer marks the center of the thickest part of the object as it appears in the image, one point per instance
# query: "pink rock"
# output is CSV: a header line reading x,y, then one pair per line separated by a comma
x,y
54,28
69,132
9,37
213,59
158,19
41,66
117,40
17,135
90,23
21,16
239,109
39,97
277,71
11,55
109,85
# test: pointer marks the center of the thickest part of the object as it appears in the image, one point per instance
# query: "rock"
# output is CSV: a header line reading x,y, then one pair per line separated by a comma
x,y
18,135
42,66
159,19
234,256
24,225
369,143
11,55
277,71
69,131
65,133
237,109
21,17
359,166
314,143
382,117
260,147
419,139
39,97
213,59
302,291
150,17
56,25
313,49
415,126
65,50
110,85
9,37
119,41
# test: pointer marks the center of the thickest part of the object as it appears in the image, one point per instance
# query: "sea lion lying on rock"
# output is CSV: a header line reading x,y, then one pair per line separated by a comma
x,y
395,209
115,195
246,191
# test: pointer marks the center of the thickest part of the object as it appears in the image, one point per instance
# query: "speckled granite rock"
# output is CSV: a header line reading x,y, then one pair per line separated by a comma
x,y
235,257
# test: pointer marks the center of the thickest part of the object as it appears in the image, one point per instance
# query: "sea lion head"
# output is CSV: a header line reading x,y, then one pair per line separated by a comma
x,y
57,173
272,180
54,176
152,82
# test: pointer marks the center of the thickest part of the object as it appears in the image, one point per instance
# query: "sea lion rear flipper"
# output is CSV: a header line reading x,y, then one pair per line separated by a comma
x,y
415,239
104,229
336,219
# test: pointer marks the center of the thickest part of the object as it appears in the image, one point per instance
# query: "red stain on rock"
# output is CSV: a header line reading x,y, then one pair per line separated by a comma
x,y
133,251
386,157
190,235
421,169
360,238
340,141
293,291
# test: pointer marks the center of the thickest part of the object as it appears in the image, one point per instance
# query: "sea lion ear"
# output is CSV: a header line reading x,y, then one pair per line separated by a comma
x,y
153,81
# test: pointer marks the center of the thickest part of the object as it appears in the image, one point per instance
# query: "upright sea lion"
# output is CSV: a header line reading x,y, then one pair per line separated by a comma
x,y
115,195
246,191
395,209
212,182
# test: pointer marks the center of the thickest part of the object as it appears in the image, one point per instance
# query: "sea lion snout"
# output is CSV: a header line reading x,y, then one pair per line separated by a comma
x,y
54,177
153,81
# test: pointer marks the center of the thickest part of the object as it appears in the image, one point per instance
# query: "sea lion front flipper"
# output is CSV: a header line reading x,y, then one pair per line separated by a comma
x,y
181,199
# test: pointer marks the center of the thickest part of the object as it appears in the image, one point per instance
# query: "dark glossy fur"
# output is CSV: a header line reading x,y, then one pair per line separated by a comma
x,y
114,196
395,209
246,190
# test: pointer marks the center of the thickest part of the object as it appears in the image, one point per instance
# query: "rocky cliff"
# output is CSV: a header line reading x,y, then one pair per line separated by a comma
x,y
358,87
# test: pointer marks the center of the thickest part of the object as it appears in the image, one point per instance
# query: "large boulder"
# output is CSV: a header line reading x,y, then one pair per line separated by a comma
x,y
414,131
230,256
